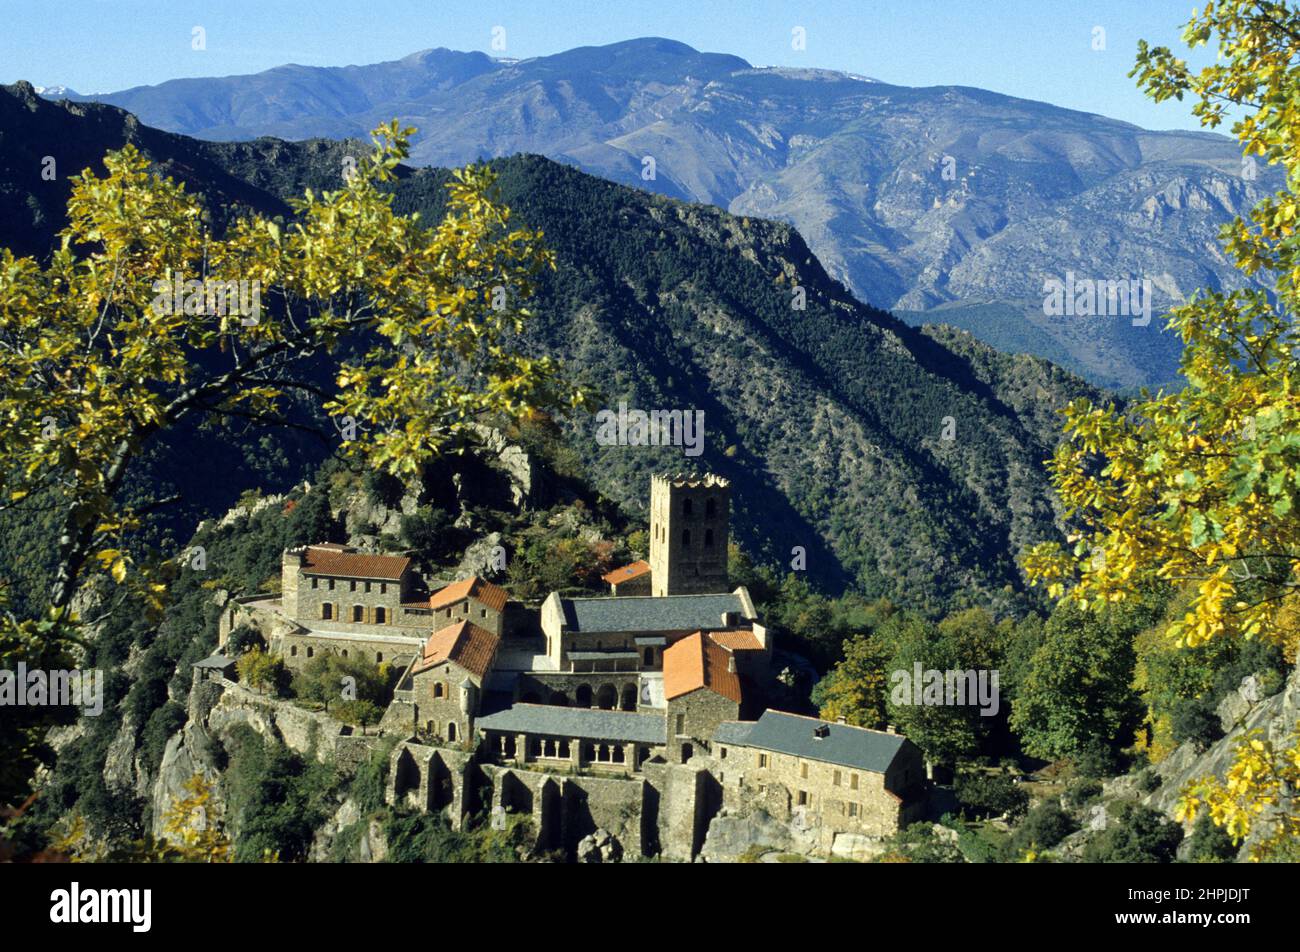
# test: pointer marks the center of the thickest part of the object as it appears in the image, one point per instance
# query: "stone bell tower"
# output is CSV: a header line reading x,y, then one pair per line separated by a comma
x,y
690,519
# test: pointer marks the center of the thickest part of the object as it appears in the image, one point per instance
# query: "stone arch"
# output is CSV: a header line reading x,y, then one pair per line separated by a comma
x,y
451,732
627,702
560,699
442,790
582,696
406,776
516,797
688,751
607,697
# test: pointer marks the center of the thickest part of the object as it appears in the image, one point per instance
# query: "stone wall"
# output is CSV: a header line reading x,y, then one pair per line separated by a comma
x,y
692,719
397,648
813,794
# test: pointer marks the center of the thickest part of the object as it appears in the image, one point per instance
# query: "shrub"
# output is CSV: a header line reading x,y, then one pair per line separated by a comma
x,y
1195,722
1081,792
985,795
1045,826
1137,834
1209,843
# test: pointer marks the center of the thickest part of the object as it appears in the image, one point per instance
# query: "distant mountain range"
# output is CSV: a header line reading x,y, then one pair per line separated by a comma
x,y
831,421
944,203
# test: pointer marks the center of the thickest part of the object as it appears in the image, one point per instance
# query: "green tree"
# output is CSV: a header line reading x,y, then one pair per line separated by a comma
x,y
261,670
857,688
1079,687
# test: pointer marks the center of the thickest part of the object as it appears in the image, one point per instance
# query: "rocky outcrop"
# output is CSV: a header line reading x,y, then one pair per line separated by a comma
x,y
1242,711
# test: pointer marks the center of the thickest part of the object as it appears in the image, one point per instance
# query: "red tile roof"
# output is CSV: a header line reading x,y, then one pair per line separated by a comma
x,y
696,662
627,572
334,559
465,643
485,593
736,640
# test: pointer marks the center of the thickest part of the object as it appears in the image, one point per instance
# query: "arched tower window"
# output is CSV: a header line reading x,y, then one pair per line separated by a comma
x,y
686,538
686,506
711,507
708,538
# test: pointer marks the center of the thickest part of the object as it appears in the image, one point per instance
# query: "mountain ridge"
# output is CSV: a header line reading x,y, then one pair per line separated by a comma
x,y
916,198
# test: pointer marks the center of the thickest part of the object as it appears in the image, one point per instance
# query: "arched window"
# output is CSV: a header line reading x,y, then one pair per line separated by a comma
x,y
379,657
345,652
451,730
686,538
708,538
711,507
293,651
381,616
326,611
358,613
437,689
686,507
310,651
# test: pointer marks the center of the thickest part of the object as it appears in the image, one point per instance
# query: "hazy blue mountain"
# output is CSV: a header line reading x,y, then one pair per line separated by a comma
x,y
1033,191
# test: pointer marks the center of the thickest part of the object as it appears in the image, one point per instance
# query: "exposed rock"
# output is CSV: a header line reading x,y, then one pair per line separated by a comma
x,y
1236,707
480,557
599,847
733,835
858,847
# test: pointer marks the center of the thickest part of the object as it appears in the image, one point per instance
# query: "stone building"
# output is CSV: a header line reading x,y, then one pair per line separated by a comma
x,y
631,579
690,521
440,694
471,599
630,633
337,586
701,690
841,779
545,735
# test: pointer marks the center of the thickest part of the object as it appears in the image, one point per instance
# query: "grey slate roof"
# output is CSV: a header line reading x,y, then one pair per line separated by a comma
x,y
579,722
218,661
631,613
732,732
793,734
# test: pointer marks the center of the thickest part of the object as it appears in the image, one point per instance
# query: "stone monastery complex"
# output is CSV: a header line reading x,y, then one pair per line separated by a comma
x,y
640,714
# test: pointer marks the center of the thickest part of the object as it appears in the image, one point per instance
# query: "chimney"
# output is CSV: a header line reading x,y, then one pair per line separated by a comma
x,y
889,729
822,731
731,663
840,720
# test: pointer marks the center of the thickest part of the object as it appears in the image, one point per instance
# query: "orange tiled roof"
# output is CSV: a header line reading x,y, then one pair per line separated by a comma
x,y
333,559
627,572
493,596
696,662
465,643
736,640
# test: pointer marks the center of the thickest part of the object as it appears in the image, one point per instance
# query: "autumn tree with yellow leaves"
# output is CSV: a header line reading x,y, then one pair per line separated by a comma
x,y
100,363
1200,488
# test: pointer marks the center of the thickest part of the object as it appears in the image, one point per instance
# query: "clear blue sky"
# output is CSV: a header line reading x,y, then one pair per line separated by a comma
x,y
1038,49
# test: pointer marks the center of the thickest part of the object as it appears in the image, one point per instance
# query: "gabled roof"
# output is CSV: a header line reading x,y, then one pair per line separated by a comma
x,y
485,593
648,613
696,662
581,722
627,572
735,640
795,734
333,559
465,643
